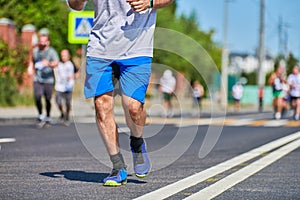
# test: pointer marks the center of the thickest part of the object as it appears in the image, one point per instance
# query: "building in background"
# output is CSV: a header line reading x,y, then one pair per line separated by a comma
x,y
248,63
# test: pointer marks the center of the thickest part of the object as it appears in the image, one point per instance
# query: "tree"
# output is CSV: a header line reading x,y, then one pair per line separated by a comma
x,y
13,63
12,67
290,62
49,14
186,24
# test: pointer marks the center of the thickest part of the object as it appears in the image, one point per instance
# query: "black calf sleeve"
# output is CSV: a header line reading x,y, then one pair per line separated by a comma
x,y
136,144
48,107
38,103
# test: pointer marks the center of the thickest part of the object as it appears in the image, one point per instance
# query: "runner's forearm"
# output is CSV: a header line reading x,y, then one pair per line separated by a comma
x,y
53,64
76,4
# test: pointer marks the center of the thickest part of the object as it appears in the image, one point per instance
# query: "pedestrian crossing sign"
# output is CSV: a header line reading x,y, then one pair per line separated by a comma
x,y
79,26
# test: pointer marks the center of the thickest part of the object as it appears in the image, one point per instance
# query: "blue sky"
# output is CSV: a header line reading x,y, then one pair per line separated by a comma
x,y
243,22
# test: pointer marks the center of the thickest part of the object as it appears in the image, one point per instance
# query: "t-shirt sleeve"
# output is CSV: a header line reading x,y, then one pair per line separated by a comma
x,y
53,55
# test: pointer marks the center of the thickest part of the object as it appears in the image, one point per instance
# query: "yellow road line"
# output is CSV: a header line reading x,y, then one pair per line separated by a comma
x,y
227,121
258,123
293,123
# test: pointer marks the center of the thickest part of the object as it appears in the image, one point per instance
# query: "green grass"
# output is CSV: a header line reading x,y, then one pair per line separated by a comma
x,y
19,99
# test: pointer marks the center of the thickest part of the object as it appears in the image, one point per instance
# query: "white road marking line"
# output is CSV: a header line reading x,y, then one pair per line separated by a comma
x,y
7,140
244,173
241,122
196,122
190,181
275,123
123,130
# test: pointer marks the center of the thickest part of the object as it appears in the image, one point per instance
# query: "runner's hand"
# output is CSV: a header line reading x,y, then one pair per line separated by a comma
x,y
46,63
139,5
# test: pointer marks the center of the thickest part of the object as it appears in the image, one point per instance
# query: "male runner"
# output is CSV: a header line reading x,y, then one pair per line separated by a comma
x,y
122,36
44,59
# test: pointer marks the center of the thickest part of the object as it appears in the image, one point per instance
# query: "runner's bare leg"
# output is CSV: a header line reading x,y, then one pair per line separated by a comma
x,y
105,119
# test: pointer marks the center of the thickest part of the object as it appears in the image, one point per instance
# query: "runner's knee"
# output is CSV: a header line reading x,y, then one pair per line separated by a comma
x,y
103,105
135,108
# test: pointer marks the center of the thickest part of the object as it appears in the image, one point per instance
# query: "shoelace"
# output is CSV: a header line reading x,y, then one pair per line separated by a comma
x,y
114,172
139,159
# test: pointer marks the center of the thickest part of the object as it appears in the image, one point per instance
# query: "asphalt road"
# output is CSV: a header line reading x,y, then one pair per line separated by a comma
x,y
69,162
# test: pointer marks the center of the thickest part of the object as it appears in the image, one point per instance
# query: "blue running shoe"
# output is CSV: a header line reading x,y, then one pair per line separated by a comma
x,y
141,162
116,178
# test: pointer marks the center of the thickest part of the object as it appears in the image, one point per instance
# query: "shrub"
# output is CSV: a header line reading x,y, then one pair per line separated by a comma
x,y
13,64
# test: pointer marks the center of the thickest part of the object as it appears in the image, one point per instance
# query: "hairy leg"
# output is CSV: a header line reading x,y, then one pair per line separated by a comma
x,y
106,123
135,115
279,104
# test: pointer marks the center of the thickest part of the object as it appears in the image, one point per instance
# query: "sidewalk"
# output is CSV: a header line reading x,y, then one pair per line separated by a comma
x,y
30,113
82,108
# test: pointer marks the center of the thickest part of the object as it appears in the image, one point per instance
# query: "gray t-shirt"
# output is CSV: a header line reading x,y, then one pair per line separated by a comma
x,y
44,74
120,33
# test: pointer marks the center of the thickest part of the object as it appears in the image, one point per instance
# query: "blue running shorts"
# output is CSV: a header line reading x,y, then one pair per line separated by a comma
x,y
134,76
